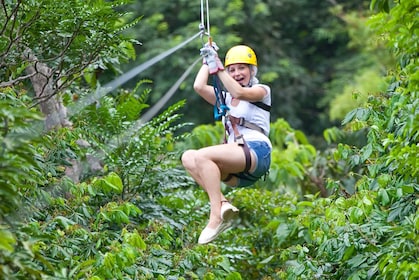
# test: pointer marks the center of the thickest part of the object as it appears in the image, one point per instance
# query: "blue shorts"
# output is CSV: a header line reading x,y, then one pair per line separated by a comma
x,y
263,162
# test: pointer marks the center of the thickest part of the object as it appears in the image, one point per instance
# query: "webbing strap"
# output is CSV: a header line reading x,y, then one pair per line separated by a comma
x,y
247,156
243,122
238,138
262,105
220,107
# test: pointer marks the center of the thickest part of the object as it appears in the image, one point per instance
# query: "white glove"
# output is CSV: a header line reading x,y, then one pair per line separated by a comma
x,y
211,58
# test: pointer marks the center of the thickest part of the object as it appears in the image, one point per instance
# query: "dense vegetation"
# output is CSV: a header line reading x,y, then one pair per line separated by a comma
x,y
88,190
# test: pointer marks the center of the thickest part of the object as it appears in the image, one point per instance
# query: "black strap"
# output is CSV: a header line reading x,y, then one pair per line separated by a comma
x,y
262,105
247,156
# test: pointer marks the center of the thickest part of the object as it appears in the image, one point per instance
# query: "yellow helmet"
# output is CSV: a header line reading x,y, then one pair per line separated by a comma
x,y
240,54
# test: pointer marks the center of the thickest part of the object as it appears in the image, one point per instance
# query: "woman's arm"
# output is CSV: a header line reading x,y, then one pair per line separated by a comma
x,y
201,85
237,91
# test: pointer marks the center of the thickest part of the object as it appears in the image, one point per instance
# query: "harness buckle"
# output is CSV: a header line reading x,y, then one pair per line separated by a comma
x,y
239,140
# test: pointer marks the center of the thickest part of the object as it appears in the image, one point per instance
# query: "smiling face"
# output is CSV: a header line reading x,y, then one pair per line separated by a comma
x,y
241,73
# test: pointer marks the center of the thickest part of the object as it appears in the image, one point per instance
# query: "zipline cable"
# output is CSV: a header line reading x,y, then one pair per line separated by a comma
x,y
116,141
202,23
102,91
154,110
202,15
208,21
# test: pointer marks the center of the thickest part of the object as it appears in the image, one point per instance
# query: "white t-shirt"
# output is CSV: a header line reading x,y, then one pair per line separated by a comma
x,y
250,113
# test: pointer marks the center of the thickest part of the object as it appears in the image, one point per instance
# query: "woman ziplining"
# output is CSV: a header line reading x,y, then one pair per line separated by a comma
x,y
245,157
246,154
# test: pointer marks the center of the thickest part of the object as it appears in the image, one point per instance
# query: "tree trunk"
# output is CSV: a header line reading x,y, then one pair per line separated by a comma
x,y
50,102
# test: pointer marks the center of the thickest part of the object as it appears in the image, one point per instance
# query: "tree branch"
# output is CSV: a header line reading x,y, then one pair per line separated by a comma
x,y
13,82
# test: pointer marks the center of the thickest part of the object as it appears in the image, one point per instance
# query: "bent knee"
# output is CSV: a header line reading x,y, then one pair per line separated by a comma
x,y
188,158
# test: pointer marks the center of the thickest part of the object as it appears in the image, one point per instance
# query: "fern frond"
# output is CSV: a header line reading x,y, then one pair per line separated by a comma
x,y
129,25
143,97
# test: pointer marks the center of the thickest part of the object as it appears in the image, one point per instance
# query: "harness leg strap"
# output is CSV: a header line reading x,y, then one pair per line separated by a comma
x,y
240,140
247,156
248,159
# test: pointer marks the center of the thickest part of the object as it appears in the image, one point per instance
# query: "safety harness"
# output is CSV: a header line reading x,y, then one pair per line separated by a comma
x,y
221,111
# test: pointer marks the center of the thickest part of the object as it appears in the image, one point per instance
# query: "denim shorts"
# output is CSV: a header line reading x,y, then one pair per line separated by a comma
x,y
263,162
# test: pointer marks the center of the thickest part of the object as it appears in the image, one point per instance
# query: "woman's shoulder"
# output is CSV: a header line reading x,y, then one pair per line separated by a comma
x,y
267,98
266,87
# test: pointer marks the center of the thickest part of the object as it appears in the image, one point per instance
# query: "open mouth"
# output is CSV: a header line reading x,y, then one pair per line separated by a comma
x,y
240,81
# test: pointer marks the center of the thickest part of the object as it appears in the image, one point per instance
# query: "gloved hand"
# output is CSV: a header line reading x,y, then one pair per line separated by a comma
x,y
205,51
210,57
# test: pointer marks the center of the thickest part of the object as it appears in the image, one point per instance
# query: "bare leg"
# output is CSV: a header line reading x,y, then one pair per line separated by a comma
x,y
211,177
208,165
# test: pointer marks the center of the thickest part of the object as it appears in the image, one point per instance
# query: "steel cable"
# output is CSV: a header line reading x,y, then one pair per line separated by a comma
x,y
102,91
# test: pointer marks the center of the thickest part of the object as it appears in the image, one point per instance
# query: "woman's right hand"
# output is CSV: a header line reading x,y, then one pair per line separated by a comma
x,y
210,57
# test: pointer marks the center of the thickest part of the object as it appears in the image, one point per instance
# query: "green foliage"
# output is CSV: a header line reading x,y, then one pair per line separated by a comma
x,y
96,228
205,135
70,37
21,173
138,151
381,5
348,239
389,157
349,90
19,160
139,216
291,157
356,94
298,167
109,184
